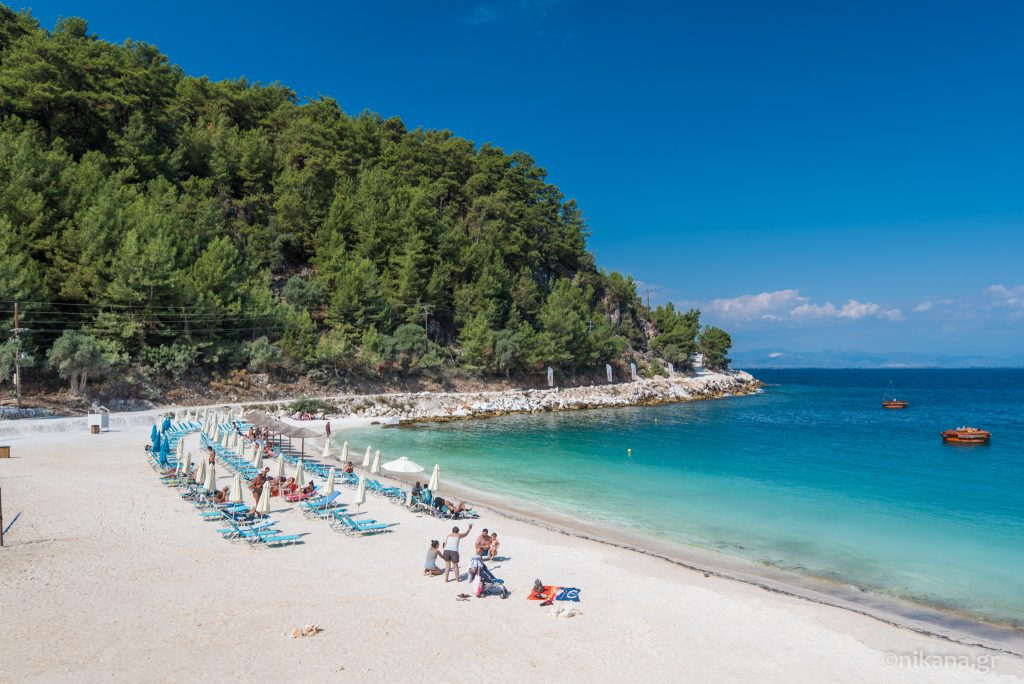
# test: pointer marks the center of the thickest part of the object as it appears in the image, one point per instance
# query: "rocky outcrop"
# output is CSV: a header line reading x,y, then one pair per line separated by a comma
x,y
434,406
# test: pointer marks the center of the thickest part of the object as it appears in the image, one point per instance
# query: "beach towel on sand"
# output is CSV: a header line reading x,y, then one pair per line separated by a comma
x,y
558,594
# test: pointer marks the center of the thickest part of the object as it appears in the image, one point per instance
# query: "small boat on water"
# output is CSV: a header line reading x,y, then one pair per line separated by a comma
x,y
889,400
966,435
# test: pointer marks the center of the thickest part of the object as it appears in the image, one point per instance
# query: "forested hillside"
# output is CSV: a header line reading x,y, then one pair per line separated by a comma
x,y
168,226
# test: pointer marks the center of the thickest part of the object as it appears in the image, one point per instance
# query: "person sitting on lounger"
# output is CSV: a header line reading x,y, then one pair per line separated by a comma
x,y
349,468
417,489
459,509
308,489
430,568
495,545
439,504
221,496
483,542
289,486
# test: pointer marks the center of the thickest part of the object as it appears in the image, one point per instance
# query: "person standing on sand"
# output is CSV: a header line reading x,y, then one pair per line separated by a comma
x,y
495,545
327,427
213,456
451,551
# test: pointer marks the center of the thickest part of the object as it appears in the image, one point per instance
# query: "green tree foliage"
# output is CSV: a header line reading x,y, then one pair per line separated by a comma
x,y
173,218
676,340
714,343
263,355
76,356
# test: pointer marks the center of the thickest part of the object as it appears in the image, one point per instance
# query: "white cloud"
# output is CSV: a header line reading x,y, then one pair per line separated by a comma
x,y
775,355
781,305
924,307
815,311
766,305
852,310
1007,296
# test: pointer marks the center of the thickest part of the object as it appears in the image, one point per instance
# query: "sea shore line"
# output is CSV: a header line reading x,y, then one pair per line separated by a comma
x,y
151,576
929,620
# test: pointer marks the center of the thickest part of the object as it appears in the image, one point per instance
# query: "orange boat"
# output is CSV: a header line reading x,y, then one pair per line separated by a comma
x,y
966,435
892,403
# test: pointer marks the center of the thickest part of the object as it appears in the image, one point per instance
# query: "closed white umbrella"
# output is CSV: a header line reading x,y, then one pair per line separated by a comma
x,y
327,448
211,478
181,448
361,492
263,505
300,475
366,458
259,459
186,465
224,439
200,472
375,468
435,479
235,495
279,467
328,488
402,465
344,452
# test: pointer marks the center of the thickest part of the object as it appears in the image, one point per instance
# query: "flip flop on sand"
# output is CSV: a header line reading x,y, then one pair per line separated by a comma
x,y
462,597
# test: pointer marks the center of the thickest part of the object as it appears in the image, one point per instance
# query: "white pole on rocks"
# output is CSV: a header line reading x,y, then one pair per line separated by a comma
x,y
632,371
551,377
671,371
608,371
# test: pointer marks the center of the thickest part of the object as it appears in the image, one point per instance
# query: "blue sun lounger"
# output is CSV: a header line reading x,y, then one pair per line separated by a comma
x,y
279,540
318,508
238,532
344,522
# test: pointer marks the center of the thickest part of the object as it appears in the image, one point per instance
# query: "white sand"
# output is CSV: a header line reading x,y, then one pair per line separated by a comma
x,y
110,575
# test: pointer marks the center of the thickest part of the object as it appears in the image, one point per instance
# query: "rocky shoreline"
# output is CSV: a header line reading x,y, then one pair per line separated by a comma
x,y
415,407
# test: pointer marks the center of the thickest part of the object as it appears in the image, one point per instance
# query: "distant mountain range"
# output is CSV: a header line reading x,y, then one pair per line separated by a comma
x,y
831,358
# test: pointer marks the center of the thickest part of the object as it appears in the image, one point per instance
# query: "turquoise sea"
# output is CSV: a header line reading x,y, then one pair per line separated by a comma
x,y
810,475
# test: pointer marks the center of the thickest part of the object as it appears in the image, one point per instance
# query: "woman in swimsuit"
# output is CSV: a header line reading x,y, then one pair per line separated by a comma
x,y
430,568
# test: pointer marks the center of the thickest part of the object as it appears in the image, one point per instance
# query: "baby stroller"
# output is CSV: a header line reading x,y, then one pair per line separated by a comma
x,y
486,582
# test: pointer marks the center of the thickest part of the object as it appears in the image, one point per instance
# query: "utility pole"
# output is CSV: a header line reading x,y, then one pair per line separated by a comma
x,y
17,357
648,298
427,310
1,519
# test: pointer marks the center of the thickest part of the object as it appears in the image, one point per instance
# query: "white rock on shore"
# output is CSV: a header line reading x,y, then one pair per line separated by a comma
x,y
431,406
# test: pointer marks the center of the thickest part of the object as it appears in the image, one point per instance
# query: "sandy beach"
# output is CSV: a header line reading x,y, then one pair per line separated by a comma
x,y
108,574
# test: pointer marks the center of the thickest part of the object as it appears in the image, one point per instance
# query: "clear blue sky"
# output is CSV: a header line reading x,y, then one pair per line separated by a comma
x,y
767,161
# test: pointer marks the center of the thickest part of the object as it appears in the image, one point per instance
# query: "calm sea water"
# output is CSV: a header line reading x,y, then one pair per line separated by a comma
x,y
811,475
